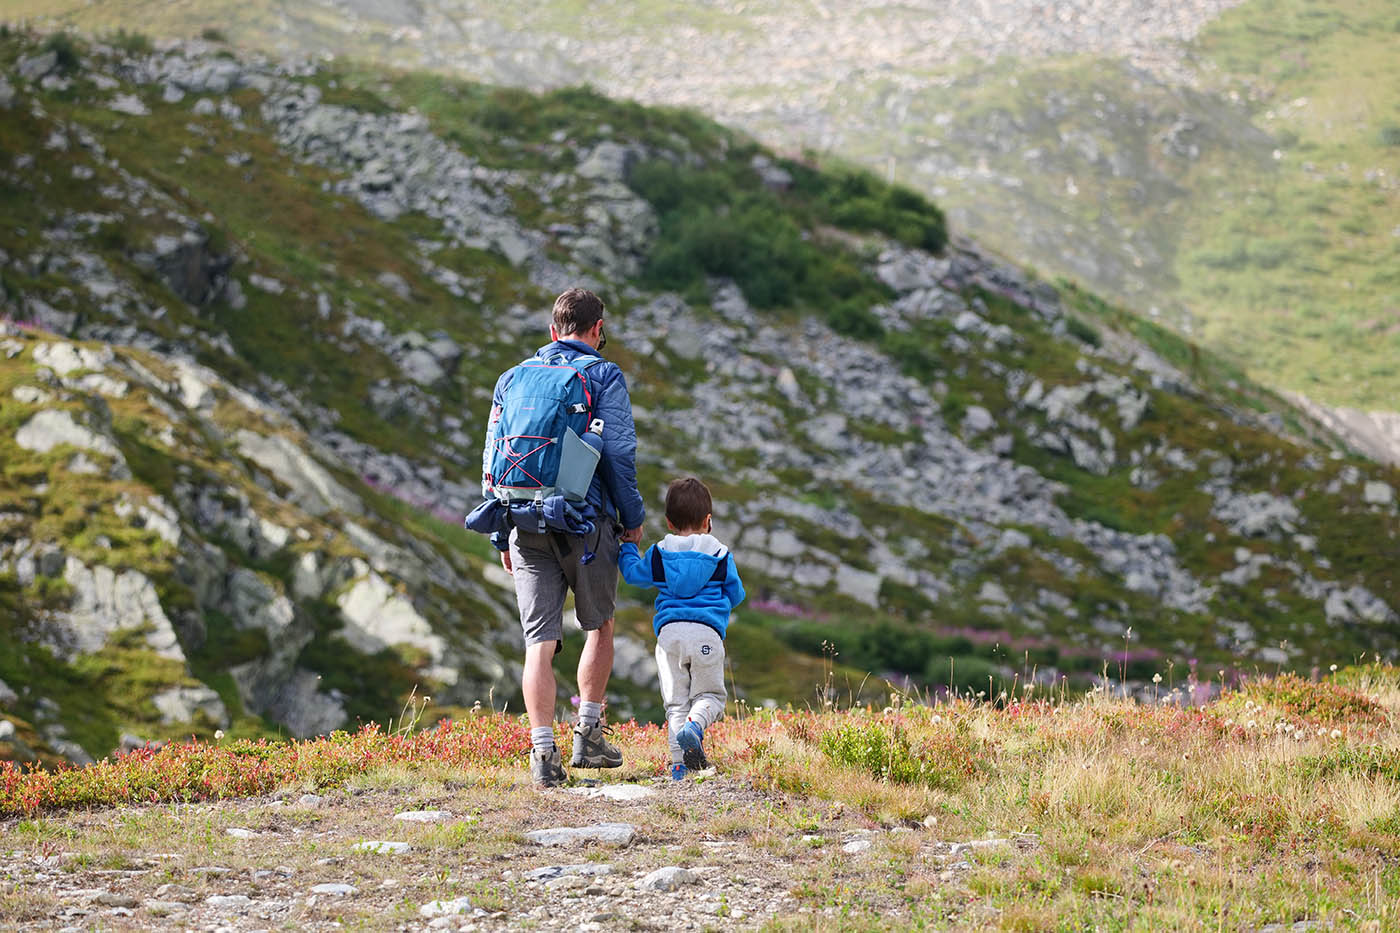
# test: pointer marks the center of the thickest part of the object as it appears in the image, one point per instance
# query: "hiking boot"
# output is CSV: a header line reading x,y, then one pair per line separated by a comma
x,y
546,769
592,749
689,739
678,771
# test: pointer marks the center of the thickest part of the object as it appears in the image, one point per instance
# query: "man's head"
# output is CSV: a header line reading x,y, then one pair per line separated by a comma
x,y
688,507
578,315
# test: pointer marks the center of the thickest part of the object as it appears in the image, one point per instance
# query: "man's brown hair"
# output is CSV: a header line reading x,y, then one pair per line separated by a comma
x,y
687,503
576,311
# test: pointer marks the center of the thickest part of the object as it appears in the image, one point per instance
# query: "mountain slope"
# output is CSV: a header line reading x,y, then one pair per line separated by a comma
x,y
257,308
1229,168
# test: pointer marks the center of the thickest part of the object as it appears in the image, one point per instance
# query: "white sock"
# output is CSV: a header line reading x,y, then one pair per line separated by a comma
x,y
589,713
542,738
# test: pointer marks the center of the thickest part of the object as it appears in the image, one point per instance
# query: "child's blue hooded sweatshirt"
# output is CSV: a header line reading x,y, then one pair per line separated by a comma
x,y
689,591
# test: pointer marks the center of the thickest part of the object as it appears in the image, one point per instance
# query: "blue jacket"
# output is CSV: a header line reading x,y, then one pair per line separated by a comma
x,y
689,592
613,494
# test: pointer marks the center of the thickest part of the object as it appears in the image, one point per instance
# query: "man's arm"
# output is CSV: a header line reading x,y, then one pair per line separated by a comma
x,y
635,570
733,586
619,462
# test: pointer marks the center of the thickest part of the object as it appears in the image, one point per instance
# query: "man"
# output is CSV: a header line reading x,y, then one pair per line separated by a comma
x,y
547,565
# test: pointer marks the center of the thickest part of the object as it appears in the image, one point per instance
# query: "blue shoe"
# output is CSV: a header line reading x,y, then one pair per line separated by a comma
x,y
678,772
689,739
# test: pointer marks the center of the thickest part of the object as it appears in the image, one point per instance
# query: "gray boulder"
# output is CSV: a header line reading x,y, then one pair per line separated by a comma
x,y
209,76
7,100
1377,493
1256,515
49,429
37,66
8,697
129,104
64,358
310,485
616,834
104,602
183,704
773,177
668,879
609,161
427,362
298,703
458,905
977,419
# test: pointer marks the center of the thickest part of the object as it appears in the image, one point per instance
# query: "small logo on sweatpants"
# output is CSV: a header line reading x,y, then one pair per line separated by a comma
x,y
704,649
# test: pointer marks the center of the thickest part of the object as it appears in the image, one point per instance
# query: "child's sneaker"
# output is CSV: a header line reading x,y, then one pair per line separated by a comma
x,y
678,772
689,739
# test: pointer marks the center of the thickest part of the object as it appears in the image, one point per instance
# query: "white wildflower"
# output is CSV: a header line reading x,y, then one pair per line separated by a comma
x,y
1156,678
1336,733
218,734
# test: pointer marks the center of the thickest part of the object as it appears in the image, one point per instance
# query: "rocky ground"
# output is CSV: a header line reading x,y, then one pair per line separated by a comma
x,y
707,854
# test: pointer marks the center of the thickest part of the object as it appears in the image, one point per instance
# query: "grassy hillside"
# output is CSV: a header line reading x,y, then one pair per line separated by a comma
x,y
273,312
1275,804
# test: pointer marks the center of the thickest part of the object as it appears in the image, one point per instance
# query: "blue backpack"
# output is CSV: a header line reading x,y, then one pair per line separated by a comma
x,y
529,434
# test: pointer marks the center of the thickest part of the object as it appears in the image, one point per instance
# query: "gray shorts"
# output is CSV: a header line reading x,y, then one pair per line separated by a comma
x,y
546,567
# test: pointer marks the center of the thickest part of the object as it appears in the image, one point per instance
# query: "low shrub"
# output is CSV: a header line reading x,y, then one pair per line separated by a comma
x,y
190,771
940,759
63,45
1323,702
132,43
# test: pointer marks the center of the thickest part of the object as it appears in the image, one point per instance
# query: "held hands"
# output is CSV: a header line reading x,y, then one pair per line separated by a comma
x,y
633,535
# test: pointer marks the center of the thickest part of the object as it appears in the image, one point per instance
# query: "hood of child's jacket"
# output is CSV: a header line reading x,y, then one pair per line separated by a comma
x,y
687,572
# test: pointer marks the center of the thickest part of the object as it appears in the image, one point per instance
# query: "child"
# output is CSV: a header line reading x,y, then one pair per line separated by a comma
x,y
699,586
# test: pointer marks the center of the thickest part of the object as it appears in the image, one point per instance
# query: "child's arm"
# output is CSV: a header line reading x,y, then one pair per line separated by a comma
x,y
635,570
733,586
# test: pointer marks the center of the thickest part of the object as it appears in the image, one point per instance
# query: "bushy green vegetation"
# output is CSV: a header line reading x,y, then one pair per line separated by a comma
x,y
941,759
66,49
718,219
132,43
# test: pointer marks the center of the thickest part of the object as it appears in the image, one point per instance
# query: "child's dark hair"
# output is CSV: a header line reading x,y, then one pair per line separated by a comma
x,y
687,503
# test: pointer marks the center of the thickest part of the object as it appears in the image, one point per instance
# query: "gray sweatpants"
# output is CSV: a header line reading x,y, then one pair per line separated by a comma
x,y
690,660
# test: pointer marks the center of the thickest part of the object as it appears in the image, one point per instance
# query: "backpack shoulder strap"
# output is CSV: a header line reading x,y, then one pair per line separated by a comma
x,y
658,569
582,363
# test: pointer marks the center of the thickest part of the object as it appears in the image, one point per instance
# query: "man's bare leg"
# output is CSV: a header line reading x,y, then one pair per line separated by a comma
x,y
537,683
594,665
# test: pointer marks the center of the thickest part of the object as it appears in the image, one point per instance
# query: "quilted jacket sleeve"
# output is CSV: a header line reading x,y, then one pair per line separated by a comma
x,y
635,568
619,462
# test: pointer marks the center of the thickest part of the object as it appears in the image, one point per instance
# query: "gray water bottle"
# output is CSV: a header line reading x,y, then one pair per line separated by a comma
x,y
593,437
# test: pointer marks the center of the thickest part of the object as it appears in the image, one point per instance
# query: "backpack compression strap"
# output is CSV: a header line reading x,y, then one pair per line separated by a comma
x,y
658,569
